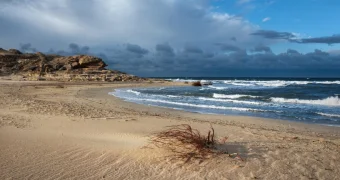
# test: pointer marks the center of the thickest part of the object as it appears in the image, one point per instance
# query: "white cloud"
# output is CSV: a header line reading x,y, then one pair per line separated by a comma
x,y
101,23
266,19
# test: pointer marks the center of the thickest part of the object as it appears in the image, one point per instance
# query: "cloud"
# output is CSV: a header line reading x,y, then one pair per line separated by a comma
x,y
104,23
192,61
130,36
233,39
335,39
136,49
228,47
295,37
27,47
334,52
192,49
164,50
269,34
266,19
76,49
292,51
261,48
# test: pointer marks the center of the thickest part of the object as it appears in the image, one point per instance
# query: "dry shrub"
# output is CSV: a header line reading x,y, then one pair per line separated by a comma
x,y
187,143
197,83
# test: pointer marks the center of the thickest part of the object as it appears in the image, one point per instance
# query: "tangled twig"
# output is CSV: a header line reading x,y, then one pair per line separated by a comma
x,y
187,143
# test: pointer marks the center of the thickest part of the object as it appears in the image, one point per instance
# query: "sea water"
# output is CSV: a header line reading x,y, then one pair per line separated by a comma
x,y
300,99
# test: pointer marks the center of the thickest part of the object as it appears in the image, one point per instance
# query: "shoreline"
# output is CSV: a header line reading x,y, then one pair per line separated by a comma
x,y
285,122
79,131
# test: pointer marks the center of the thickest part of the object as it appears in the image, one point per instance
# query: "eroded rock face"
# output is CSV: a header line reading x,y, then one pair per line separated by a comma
x,y
38,66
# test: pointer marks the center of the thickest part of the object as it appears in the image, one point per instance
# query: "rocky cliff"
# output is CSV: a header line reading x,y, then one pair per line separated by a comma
x,y
38,66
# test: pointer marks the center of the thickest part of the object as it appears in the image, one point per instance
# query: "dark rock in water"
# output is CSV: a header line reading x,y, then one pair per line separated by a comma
x,y
38,66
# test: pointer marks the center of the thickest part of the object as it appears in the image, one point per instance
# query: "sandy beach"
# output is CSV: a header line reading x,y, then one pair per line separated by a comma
x,y
55,130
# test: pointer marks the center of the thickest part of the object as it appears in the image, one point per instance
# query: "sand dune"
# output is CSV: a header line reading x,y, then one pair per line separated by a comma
x,y
80,132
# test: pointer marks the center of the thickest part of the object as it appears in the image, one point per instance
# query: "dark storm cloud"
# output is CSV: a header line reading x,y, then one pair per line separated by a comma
x,y
76,49
136,49
227,47
218,63
164,50
27,47
292,51
262,48
192,49
269,34
323,40
209,55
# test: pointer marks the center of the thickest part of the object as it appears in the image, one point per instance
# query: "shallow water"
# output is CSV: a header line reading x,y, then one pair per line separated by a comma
x,y
304,100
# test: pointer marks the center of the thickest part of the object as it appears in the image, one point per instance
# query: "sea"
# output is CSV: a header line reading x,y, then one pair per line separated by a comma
x,y
307,100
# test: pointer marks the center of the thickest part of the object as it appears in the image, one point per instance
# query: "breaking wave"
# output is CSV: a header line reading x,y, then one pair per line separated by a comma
x,y
232,96
202,105
330,101
132,91
329,115
232,101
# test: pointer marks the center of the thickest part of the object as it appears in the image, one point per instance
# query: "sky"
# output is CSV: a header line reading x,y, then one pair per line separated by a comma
x,y
261,38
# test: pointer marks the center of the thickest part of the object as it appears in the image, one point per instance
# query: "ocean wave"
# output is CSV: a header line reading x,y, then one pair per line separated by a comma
x,y
182,80
329,115
230,100
172,96
201,105
232,96
327,82
134,92
275,83
330,101
218,87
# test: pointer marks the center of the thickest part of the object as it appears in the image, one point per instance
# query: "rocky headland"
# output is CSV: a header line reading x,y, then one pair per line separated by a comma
x,y
39,66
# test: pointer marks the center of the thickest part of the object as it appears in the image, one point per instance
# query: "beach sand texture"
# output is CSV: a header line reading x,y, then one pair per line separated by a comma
x,y
52,130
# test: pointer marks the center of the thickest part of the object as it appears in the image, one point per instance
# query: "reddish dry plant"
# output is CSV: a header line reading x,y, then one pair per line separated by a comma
x,y
187,143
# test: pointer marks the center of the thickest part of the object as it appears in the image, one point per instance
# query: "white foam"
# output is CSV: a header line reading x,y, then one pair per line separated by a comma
x,y
275,83
329,115
172,96
327,82
232,96
330,101
218,88
202,105
230,100
134,92
181,80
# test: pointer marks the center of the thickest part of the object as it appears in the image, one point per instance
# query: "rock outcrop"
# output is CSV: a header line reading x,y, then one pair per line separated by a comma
x,y
38,66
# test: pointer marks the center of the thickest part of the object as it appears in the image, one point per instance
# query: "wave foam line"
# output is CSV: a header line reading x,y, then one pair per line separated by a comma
x,y
328,115
229,100
232,96
276,83
134,92
330,101
201,105
218,88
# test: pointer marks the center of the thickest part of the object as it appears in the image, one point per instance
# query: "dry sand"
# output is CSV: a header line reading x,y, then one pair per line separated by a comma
x,y
77,131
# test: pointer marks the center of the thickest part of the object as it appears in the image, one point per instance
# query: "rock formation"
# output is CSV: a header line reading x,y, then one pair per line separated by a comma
x,y
38,66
